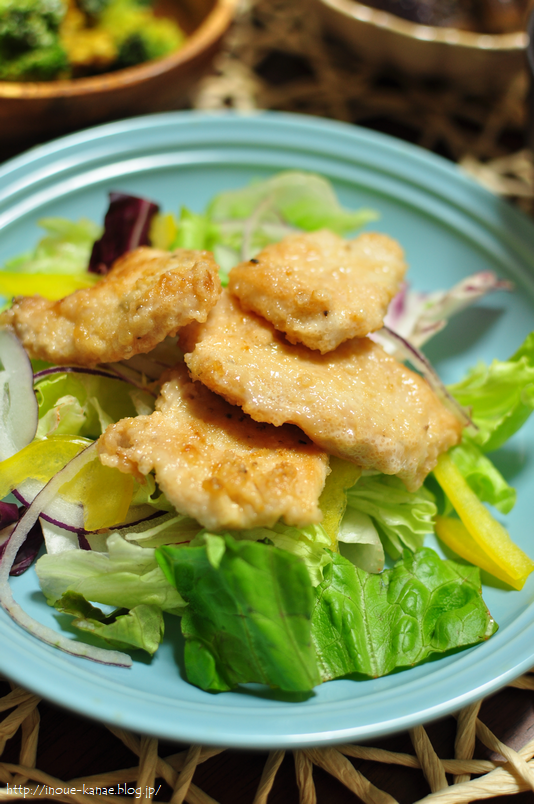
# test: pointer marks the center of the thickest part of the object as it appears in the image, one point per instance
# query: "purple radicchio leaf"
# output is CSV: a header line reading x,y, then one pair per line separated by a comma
x,y
126,226
27,553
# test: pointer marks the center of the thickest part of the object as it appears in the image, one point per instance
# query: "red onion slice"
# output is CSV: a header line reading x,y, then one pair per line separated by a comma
x,y
146,366
69,515
28,551
422,364
18,537
59,511
127,374
74,370
19,413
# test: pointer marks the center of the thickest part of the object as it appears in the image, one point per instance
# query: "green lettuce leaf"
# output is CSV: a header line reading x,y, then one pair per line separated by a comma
x,y
195,231
85,404
500,396
172,528
402,518
266,211
141,627
65,249
307,543
374,624
126,576
483,477
359,541
249,614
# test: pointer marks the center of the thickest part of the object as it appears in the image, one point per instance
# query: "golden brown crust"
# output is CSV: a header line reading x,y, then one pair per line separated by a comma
x,y
320,289
356,402
216,464
147,295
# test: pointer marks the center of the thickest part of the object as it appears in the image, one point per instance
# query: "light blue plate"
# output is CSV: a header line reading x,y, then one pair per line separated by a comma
x,y
450,228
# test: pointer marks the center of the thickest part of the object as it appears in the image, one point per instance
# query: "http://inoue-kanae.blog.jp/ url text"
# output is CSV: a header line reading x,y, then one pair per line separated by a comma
x,y
47,791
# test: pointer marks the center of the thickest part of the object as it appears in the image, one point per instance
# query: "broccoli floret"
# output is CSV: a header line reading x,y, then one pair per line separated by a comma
x,y
28,25
131,51
161,37
151,43
92,8
30,49
42,64
139,35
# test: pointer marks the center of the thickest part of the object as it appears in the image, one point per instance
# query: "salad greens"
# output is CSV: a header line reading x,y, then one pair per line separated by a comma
x,y
402,518
254,616
126,575
501,396
239,223
142,626
374,624
85,404
249,614
283,606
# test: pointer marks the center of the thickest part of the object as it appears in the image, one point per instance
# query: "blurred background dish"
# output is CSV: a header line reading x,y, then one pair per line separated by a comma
x,y
480,61
36,111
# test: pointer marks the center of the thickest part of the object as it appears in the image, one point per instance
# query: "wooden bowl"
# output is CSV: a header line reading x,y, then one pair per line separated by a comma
x,y
478,62
31,112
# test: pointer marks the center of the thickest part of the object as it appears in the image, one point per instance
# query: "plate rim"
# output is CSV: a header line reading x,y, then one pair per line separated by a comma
x,y
71,146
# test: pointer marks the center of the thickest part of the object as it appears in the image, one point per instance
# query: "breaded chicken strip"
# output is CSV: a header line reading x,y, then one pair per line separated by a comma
x,y
356,402
319,289
147,295
216,464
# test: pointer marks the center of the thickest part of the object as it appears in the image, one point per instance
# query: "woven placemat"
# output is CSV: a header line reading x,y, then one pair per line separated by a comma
x,y
170,777
278,57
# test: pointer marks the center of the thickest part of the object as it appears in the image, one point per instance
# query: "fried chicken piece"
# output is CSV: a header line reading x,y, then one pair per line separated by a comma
x,y
147,295
356,402
216,464
320,289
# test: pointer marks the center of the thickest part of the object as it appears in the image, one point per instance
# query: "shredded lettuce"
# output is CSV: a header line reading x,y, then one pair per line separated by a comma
x,y
402,518
265,211
172,528
501,396
195,230
65,249
359,541
289,199
85,404
126,576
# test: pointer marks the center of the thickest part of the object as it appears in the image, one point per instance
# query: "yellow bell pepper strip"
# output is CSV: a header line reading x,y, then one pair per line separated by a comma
x,y
455,535
333,499
163,231
486,532
40,460
49,286
105,493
